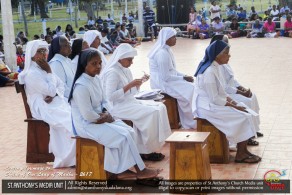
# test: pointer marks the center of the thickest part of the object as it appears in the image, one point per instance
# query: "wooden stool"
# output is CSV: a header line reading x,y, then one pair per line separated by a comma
x,y
189,159
38,136
89,160
172,111
218,145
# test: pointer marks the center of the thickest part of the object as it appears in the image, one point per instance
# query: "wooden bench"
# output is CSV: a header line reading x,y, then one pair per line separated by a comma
x,y
37,150
189,157
218,145
172,111
89,160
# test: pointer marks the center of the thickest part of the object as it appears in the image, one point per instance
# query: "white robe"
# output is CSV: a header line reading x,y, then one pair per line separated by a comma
x,y
230,85
88,101
164,76
74,62
149,118
38,85
64,69
238,126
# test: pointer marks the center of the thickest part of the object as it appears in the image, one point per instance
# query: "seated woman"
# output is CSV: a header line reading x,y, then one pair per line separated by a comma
x,y
45,97
257,30
217,26
60,62
91,121
124,33
77,46
122,38
93,39
218,108
4,81
288,27
5,71
237,92
20,57
104,42
150,118
235,29
203,29
165,76
270,29
192,25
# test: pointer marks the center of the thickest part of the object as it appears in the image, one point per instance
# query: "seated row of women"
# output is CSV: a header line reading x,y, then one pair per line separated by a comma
x,y
101,93
95,111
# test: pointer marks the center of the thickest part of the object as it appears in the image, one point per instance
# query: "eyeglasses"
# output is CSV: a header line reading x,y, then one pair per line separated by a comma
x,y
42,51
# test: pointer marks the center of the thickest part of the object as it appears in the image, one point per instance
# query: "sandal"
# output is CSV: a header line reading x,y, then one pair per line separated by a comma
x,y
252,142
152,156
153,182
247,160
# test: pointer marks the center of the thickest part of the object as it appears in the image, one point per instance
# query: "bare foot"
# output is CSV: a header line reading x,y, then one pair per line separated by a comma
x,y
148,173
126,175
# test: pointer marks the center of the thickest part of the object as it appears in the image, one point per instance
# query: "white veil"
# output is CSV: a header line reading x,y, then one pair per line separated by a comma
x,y
124,50
31,49
164,34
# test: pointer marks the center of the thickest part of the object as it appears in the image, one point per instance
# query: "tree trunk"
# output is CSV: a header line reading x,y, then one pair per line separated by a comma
x,y
119,2
88,10
97,6
36,7
233,2
41,4
282,3
24,17
32,6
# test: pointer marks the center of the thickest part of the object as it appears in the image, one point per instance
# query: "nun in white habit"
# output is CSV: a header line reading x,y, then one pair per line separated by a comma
x,y
164,76
77,46
45,97
61,65
237,92
149,118
93,37
218,108
90,120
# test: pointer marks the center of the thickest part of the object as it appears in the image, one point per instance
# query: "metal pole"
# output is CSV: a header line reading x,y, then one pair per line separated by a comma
x,y
70,9
140,31
44,25
8,34
112,9
126,7
76,13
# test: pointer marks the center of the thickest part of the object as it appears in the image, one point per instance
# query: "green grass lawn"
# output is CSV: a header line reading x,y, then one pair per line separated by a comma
x,y
59,13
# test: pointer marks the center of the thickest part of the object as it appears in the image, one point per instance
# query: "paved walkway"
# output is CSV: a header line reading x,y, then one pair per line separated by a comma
x,y
264,65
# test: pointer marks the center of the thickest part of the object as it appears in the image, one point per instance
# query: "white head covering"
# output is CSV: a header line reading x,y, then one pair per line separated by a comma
x,y
31,49
124,50
90,36
164,34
